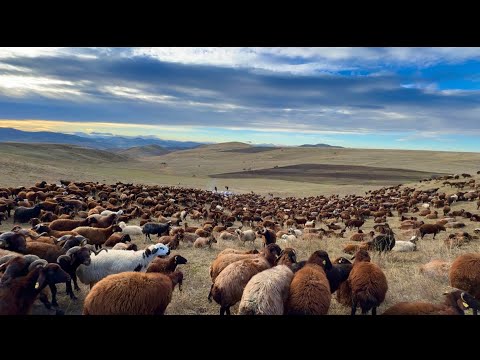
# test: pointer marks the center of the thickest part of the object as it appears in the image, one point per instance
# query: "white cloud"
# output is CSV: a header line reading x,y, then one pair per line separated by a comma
x,y
16,85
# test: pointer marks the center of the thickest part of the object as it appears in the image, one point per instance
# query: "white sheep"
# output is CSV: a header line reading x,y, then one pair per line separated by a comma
x,y
266,292
295,232
288,237
310,223
426,206
248,235
117,261
405,246
109,212
130,229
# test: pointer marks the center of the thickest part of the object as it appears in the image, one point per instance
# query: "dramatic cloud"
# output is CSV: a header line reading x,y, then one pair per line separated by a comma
x,y
405,92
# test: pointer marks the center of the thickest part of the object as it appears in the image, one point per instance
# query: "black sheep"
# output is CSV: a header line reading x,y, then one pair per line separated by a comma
x,y
23,214
153,228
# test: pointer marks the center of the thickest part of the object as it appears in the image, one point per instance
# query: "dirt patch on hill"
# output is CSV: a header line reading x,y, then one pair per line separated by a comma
x,y
320,173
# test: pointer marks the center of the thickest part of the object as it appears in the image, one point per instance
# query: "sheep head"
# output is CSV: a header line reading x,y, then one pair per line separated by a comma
x,y
157,249
180,260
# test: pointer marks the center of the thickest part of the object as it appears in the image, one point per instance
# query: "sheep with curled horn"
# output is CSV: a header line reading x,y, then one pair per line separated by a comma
x,y
73,258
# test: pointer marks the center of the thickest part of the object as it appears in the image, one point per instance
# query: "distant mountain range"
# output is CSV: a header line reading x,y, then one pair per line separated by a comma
x,y
321,146
102,141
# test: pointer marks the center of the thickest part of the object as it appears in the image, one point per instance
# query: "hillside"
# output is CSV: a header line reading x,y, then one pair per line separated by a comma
x,y
143,151
321,146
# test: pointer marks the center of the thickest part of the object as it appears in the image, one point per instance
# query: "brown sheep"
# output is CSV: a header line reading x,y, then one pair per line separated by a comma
x,y
68,224
97,236
166,266
269,236
132,293
309,292
171,241
431,229
465,273
368,284
190,237
116,238
204,242
436,269
229,285
455,303
361,236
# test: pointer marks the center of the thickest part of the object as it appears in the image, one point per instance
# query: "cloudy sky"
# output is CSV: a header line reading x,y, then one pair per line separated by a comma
x,y
409,98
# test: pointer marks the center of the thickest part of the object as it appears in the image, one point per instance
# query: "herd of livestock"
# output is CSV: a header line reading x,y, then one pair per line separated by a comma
x,y
79,231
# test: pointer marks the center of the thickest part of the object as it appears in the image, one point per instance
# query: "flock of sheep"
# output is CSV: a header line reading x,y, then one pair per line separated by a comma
x,y
81,231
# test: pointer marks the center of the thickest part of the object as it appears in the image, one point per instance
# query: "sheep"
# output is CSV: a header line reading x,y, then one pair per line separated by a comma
x,y
235,251
69,262
309,292
24,214
465,274
17,242
287,257
104,221
437,269
123,246
132,293
338,272
266,292
203,242
130,229
226,236
455,303
295,232
406,246
153,228
171,241
191,237
310,224
97,236
361,236
166,266
431,229
69,225
228,286
288,237
368,284
42,228
18,293
248,235
455,225
269,236
116,261
109,212
116,238
354,223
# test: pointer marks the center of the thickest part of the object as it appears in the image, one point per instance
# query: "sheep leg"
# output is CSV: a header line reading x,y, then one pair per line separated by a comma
x,y
222,310
75,284
374,310
354,308
70,291
53,289
44,299
228,310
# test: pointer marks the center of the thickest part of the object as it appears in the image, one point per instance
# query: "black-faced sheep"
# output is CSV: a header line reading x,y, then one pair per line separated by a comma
x,y
465,274
266,292
309,292
368,284
132,293
456,302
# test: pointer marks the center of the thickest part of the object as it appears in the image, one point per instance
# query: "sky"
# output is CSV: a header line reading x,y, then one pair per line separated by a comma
x,y
392,98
